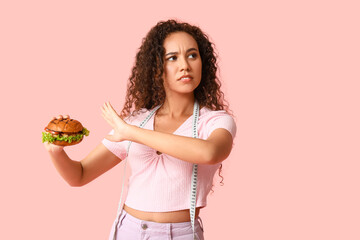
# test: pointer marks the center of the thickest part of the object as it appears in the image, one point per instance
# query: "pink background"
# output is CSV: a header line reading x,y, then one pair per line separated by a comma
x,y
291,74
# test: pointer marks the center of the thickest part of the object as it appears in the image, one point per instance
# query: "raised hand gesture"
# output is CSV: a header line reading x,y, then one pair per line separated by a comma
x,y
120,126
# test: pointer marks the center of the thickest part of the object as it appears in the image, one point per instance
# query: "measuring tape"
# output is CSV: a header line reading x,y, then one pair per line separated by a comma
x,y
194,171
193,176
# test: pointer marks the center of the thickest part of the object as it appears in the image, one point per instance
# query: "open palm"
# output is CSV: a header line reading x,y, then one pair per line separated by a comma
x,y
119,125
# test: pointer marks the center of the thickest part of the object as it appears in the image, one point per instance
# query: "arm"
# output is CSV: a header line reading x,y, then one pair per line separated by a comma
x,y
210,151
79,173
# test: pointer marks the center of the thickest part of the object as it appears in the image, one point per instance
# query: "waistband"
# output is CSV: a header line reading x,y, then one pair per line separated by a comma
x,y
159,225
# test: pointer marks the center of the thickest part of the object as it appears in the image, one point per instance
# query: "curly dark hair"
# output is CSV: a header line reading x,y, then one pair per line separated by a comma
x,y
145,87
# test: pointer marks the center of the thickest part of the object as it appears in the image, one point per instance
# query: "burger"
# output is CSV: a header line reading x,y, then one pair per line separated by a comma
x,y
64,132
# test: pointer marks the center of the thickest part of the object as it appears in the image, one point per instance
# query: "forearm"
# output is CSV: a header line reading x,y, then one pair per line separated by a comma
x,y
188,149
69,169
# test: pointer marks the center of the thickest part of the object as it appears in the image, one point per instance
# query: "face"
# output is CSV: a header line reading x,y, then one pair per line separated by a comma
x,y
182,63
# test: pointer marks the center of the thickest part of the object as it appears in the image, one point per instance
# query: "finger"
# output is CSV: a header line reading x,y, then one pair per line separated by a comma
x,y
66,116
104,114
108,120
108,111
46,144
59,117
111,108
104,108
110,138
107,106
52,147
104,111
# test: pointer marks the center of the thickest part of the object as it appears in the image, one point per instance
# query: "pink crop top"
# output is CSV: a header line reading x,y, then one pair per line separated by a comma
x,y
161,183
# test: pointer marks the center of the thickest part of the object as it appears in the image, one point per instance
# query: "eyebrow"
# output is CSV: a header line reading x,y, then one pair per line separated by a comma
x,y
190,49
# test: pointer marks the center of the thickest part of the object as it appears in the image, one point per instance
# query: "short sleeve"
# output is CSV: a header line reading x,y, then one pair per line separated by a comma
x,y
220,119
117,148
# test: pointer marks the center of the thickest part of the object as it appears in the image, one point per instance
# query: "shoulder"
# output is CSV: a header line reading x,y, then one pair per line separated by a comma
x,y
209,120
205,111
207,114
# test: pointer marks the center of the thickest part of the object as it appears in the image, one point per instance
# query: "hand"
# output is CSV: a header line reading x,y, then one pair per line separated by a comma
x,y
119,125
52,147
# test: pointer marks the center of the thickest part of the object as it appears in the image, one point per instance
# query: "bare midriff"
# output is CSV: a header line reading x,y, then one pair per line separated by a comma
x,y
162,217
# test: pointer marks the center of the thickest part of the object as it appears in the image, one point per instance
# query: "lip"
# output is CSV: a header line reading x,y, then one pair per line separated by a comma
x,y
186,76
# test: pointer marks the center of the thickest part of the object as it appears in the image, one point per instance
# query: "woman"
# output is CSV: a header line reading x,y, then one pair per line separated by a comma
x,y
179,130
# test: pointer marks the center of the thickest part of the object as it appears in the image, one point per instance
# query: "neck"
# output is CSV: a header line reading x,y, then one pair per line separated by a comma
x,y
178,106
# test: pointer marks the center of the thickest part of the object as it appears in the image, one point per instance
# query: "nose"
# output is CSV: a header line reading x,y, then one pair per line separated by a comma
x,y
184,65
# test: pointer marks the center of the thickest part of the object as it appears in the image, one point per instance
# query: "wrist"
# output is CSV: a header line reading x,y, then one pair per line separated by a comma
x,y
131,132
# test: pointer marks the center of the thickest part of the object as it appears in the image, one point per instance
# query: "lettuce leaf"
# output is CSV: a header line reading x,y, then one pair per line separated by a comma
x,y
47,137
85,132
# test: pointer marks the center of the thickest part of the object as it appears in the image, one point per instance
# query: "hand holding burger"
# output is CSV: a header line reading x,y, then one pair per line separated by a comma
x,y
64,131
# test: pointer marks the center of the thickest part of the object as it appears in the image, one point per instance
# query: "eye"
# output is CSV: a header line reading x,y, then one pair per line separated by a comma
x,y
193,55
172,58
